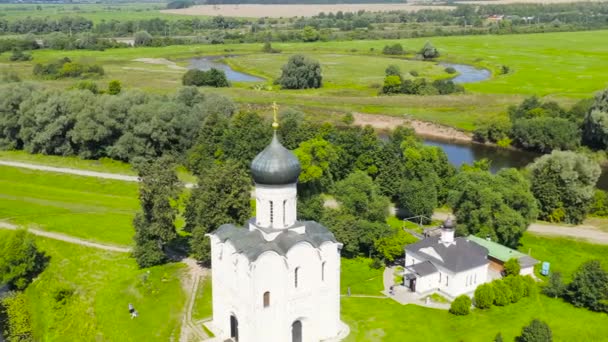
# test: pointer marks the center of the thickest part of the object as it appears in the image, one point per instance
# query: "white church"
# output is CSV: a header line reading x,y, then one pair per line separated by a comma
x,y
278,278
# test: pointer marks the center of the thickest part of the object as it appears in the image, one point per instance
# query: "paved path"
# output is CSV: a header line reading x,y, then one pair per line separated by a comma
x,y
67,238
77,172
584,232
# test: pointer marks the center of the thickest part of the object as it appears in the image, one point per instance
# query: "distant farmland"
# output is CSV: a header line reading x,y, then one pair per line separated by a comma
x,y
286,11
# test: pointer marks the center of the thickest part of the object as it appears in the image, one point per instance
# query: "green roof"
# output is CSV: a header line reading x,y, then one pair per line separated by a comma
x,y
496,250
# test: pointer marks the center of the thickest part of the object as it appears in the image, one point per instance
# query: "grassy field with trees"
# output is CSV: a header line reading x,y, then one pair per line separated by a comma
x,y
83,294
539,64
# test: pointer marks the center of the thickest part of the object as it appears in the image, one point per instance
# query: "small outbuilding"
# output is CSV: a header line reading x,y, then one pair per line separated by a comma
x,y
499,254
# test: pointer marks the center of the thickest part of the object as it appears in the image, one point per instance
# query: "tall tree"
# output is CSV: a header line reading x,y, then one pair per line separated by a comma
x,y
247,135
222,196
589,287
301,72
155,223
563,183
497,206
317,157
359,196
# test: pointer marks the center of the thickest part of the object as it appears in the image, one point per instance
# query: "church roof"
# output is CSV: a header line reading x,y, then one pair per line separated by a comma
x,y
252,244
457,257
423,268
275,165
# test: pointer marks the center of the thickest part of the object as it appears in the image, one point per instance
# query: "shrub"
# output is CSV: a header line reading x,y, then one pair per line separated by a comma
x,y
212,78
589,287
536,331
19,56
504,70
502,293
493,129
267,48
414,73
484,296
512,267
445,87
20,260
530,287
392,85
504,143
395,49
142,38
450,70
599,206
114,87
461,305
87,85
66,68
392,70
15,317
429,51
517,286
301,72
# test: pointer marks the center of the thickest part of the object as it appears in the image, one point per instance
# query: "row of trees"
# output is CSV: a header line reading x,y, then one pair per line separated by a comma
x,y
546,126
211,78
394,83
64,67
124,126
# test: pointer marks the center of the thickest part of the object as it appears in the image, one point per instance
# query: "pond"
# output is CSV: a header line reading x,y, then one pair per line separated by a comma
x,y
459,153
206,63
468,73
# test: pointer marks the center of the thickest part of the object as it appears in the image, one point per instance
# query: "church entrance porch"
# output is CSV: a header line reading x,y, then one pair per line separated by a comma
x,y
234,328
296,331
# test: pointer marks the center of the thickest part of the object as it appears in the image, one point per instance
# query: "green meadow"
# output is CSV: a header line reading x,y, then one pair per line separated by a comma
x,y
95,209
100,285
375,320
558,66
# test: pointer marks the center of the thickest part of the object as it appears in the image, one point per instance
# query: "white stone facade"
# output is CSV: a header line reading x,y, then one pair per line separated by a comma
x,y
239,288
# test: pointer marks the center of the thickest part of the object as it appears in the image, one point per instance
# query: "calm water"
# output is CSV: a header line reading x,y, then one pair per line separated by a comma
x,y
462,153
207,63
468,73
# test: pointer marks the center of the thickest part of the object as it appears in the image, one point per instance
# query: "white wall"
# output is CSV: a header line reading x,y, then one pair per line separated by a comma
x,y
284,205
527,271
239,286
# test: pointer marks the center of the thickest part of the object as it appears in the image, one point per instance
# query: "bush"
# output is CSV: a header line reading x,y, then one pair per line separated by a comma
x,y
484,296
87,85
414,73
114,87
504,70
461,305
15,317
493,130
212,78
395,49
66,68
517,286
142,38
512,267
429,51
536,331
502,293
392,85
450,70
392,70
589,287
20,260
267,48
599,206
530,286
19,56
445,87
301,72
545,134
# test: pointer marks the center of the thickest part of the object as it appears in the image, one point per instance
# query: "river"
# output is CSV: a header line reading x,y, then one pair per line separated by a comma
x,y
466,153
206,63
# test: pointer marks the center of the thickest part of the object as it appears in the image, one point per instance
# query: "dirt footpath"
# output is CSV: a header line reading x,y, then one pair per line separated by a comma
x,y
428,129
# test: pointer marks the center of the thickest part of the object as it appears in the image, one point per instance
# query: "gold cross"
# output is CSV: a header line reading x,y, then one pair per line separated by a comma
x,y
275,109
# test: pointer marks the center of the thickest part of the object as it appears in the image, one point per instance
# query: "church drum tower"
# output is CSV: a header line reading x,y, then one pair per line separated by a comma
x,y
278,279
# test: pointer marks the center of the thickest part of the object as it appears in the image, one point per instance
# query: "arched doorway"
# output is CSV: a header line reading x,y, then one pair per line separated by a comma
x,y
296,331
234,328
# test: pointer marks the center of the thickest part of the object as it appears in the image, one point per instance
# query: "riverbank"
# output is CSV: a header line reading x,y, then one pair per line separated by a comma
x,y
422,128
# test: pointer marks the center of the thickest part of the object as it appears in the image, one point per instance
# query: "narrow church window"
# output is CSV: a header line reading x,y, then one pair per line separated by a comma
x,y
439,277
266,299
284,219
323,271
475,279
271,212
295,279
447,280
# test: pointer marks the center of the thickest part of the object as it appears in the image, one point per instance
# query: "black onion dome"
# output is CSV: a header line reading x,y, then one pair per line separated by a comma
x,y
449,223
275,165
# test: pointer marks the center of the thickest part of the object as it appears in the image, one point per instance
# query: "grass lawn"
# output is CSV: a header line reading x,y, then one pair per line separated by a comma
x,y
203,304
103,284
372,319
553,250
562,66
362,279
106,165
84,207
